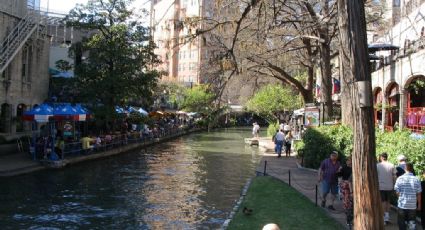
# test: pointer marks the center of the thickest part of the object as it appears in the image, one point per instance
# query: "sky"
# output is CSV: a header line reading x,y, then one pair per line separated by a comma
x,y
60,6
64,6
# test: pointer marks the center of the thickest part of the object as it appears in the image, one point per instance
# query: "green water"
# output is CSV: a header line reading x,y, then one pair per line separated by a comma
x,y
188,183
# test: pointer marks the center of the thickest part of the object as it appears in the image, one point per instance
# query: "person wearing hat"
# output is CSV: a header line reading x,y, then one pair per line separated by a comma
x,y
408,189
386,178
402,160
328,178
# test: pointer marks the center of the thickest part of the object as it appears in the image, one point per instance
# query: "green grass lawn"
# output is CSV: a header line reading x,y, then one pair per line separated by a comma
x,y
275,202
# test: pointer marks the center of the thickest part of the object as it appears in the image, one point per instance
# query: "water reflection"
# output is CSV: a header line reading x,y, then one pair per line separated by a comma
x,y
189,183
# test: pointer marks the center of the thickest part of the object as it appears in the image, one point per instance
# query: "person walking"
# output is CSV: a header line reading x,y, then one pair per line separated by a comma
x,y
288,143
328,178
346,186
279,140
408,189
255,130
386,177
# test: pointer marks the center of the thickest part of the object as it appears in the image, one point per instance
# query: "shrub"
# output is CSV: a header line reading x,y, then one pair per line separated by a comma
x,y
318,142
400,142
271,130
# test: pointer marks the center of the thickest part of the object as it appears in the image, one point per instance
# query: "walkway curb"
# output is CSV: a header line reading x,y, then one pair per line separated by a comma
x,y
236,207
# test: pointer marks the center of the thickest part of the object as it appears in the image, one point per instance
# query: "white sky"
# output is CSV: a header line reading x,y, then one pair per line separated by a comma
x,y
64,6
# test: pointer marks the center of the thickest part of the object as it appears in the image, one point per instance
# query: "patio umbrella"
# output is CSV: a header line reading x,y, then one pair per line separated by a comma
x,y
42,113
66,112
83,113
120,110
142,111
381,47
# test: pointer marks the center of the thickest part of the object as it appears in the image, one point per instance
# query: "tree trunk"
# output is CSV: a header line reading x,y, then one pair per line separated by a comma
x,y
325,65
354,55
346,113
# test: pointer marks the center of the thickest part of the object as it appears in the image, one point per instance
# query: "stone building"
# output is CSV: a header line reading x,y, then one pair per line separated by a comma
x,y
398,77
24,57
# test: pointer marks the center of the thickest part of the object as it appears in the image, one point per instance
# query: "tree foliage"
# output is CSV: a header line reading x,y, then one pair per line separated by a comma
x,y
119,57
63,65
273,99
197,99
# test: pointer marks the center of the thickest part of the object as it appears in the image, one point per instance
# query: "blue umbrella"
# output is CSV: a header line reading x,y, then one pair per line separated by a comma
x,y
66,112
42,113
82,112
120,109
142,111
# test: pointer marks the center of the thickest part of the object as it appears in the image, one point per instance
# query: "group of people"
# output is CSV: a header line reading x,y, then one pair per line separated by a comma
x,y
400,179
283,140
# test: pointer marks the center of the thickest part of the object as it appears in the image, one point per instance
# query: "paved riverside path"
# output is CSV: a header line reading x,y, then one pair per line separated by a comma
x,y
305,180
18,163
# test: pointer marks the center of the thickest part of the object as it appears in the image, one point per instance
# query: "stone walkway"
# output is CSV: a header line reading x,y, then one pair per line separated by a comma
x,y
18,163
305,181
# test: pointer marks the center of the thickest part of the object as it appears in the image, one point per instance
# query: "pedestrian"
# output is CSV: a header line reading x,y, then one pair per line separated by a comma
x,y
255,129
408,189
328,178
288,143
401,165
346,186
286,128
386,178
279,141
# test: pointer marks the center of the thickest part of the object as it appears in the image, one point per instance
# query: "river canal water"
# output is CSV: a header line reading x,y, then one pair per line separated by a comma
x,y
188,183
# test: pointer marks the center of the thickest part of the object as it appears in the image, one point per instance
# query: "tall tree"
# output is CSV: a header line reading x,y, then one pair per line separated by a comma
x,y
355,72
119,55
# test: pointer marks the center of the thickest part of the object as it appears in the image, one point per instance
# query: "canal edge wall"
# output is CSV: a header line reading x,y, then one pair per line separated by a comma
x,y
37,166
238,204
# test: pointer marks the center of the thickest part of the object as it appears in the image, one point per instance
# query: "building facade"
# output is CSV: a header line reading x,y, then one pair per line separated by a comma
x,y
174,24
398,78
24,57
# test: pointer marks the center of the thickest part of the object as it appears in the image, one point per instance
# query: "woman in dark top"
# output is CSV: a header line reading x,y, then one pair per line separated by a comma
x,y
346,189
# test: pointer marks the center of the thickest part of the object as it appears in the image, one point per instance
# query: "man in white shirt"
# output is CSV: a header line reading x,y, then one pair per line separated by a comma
x,y
286,128
279,140
408,189
386,177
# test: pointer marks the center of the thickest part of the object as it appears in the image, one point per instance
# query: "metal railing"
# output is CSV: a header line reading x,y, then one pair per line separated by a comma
x,y
11,45
71,149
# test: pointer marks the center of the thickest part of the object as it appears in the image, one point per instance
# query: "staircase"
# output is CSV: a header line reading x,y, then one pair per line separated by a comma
x,y
13,43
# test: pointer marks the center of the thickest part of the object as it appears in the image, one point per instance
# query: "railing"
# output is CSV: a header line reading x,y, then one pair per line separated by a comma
x,y
17,38
415,119
70,149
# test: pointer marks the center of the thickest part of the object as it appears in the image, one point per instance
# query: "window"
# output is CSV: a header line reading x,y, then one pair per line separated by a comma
x,y
26,63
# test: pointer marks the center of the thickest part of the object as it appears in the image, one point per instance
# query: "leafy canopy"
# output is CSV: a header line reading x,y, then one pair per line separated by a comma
x,y
273,99
197,99
117,68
